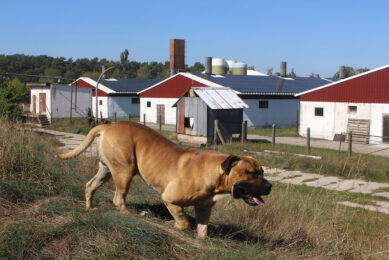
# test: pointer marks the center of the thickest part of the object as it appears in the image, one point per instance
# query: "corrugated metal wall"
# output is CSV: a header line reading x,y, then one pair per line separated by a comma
x,y
370,88
196,109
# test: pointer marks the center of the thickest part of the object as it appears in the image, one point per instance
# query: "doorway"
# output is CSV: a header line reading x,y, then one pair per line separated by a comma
x,y
42,103
161,114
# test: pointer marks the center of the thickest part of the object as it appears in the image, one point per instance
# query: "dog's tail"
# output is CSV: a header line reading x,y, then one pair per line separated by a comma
x,y
87,141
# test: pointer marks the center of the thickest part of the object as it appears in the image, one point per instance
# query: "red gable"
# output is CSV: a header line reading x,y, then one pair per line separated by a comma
x,y
174,87
371,87
84,84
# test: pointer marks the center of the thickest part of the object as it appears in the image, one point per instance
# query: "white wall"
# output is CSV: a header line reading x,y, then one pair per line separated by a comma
x,y
335,118
36,91
321,126
151,112
376,126
103,108
281,112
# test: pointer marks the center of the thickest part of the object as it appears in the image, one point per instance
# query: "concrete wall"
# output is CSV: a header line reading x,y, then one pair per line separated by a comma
x,y
103,108
335,118
36,91
376,126
281,112
60,101
151,112
122,105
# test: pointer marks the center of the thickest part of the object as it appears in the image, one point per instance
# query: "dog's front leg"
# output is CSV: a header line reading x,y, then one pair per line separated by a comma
x,y
181,222
202,219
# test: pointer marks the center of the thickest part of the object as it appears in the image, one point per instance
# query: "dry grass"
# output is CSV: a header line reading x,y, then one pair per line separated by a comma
x,y
50,221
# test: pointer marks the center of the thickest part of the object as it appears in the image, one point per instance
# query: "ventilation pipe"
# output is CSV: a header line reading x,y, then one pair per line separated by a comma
x,y
102,70
342,72
208,67
317,76
283,69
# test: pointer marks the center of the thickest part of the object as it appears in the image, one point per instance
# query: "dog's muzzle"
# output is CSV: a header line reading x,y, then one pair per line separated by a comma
x,y
251,193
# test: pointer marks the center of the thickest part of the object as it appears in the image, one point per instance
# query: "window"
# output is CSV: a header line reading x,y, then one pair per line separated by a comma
x,y
148,103
263,104
135,100
100,102
188,122
319,111
352,109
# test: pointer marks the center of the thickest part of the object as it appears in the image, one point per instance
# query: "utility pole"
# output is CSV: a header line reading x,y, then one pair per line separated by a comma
x,y
97,94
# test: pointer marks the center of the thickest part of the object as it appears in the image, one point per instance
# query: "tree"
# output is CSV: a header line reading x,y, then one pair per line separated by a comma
x,y
269,71
198,67
292,74
12,94
348,72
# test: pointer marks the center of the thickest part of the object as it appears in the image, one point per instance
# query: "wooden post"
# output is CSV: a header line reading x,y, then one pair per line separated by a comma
x,y
297,122
144,119
273,136
308,140
160,122
71,104
101,116
350,143
215,132
115,116
129,116
244,132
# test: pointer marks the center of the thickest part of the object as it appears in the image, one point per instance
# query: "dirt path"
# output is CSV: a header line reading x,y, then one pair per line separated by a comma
x,y
71,141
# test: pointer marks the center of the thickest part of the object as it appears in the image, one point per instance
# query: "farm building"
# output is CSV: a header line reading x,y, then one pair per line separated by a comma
x,y
116,95
198,109
271,99
359,103
50,102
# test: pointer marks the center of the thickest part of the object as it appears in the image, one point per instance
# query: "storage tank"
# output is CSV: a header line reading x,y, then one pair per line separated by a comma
x,y
218,66
239,68
229,65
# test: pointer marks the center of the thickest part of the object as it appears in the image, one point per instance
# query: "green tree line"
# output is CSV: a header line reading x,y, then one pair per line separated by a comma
x,y
44,65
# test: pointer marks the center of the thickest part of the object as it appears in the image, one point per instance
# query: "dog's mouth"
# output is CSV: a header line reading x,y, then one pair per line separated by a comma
x,y
253,201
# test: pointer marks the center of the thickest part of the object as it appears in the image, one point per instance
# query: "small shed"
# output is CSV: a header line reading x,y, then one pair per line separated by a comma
x,y
198,109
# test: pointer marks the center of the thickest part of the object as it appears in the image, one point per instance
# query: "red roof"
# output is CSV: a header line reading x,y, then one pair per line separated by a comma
x,y
84,84
368,87
174,87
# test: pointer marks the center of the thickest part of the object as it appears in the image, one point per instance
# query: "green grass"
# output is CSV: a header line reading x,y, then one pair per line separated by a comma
x,y
297,222
280,132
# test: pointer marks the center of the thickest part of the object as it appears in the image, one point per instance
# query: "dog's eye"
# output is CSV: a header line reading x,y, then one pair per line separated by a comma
x,y
255,173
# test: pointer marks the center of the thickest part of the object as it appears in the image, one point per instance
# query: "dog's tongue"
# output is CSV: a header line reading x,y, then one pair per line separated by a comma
x,y
259,202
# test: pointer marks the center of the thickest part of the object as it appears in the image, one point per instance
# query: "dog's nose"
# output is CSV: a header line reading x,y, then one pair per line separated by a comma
x,y
268,187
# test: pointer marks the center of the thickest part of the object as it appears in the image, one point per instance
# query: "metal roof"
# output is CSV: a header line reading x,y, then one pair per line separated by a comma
x,y
133,85
220,98
267,84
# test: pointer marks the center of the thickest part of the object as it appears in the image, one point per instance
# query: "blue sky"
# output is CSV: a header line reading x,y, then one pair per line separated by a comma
x,y
312,36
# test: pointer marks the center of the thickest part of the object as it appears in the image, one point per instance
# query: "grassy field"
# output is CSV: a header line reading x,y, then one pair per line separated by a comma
x,y
280,132
42,216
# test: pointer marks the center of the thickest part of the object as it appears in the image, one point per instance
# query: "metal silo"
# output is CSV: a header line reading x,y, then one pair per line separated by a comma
x,y
229,65
239,68
218,66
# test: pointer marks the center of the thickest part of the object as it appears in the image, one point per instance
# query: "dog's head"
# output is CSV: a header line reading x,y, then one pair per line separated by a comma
x,y
245,176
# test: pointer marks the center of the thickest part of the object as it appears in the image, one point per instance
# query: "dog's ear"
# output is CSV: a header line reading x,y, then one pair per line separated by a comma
x,y
229,163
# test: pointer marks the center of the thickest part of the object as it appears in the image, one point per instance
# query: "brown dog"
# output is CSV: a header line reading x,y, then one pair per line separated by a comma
x,y
184,176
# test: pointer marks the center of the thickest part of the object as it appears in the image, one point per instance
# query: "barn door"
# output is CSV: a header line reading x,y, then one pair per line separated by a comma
x,y
34,104
161,114
42,103
385,130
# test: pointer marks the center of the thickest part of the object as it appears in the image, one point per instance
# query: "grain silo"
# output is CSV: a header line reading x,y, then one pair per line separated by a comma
x,y
239,68
218,66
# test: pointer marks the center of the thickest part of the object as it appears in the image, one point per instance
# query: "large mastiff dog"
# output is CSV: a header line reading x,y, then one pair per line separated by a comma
x,y
184,176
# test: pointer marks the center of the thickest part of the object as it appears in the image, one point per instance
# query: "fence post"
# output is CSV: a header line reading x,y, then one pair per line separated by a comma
x,y
350,143
101,116
215,132
297,122
144,119
160,122
273,136
244,132
129,116
115,116
308,140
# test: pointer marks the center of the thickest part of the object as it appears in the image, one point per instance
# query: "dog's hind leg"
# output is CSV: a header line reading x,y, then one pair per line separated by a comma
x,y
122,178
99,179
